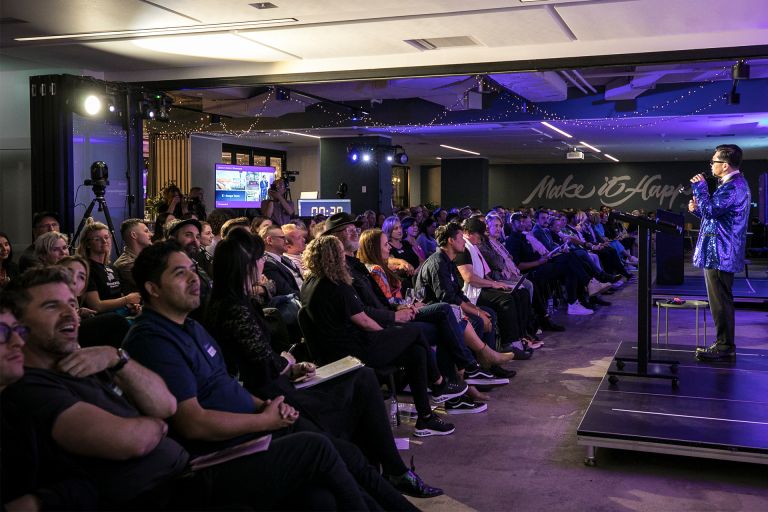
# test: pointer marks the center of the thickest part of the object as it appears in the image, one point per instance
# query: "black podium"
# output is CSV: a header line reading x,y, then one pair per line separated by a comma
x,y
639,366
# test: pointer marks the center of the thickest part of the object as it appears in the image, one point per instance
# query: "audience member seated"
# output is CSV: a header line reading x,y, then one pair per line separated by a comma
x,y
338,316
214,411
410,233
438,322
49,248
34,477
205,259
426,238
8,268
161,221
187,234
503,269
349,406
513,309
545,269
277,267
43,222
136,237
295,243
234,223
577,225
106,414
216,219
104,291
402,260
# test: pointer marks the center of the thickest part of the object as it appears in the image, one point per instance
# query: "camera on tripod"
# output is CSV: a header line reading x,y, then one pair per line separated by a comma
x,y
289,176
99,178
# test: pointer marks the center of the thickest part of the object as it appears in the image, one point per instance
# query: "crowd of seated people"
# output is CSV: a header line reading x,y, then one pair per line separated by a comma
x,y
190,343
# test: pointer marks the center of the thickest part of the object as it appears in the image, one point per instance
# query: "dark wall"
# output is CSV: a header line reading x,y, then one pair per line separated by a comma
x,y
430,184
375,176
464,181
625,186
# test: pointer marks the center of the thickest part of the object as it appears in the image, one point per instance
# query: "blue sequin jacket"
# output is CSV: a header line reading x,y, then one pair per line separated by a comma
x,y
724,218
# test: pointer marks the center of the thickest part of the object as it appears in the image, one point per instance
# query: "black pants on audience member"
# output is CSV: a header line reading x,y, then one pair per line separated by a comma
x,y
302,471
512,311
566,269
720,296
404,345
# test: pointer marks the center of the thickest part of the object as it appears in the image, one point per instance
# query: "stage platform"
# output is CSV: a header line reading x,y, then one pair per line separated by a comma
x,y
752,290
717,410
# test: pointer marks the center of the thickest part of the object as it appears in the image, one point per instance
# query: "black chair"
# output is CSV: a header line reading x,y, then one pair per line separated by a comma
x,y
385,374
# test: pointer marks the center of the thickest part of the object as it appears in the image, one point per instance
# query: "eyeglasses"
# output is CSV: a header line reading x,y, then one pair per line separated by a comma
x,y
713,162
6,330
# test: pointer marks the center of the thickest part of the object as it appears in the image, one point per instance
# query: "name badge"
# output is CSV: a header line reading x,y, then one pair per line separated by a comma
x,y
211,350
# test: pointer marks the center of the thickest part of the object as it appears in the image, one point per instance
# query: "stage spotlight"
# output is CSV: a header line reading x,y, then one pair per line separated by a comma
x,y
92,105
112,108
740,71
366,157
401,158
162,114
390,158
354,155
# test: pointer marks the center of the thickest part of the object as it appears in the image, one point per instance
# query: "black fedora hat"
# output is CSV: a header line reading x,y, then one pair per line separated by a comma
x,y
338,220
176,225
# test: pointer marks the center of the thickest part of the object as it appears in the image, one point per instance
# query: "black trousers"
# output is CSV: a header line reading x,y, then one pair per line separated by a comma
x,y
566,268
404,345
720,296
300,471
348,407
513,311
611,262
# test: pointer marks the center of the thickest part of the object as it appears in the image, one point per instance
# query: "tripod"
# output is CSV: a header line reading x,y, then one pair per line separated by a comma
x,y
99,199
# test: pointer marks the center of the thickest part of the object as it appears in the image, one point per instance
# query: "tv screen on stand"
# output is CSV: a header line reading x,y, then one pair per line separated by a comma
x,y
242,186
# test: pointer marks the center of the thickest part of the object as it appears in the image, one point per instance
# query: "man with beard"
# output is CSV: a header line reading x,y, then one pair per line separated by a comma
x,y
187,234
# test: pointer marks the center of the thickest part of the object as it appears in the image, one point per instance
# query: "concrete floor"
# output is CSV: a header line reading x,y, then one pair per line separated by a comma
x,y
522,453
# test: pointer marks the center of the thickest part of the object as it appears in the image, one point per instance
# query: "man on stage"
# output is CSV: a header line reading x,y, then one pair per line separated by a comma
x,y
722,243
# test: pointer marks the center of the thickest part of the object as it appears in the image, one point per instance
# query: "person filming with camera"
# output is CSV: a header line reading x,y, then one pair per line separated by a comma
x,y
278,208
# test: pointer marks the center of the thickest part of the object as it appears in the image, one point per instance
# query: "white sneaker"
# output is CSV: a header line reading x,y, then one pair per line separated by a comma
x,y
594,287
578,309
618,284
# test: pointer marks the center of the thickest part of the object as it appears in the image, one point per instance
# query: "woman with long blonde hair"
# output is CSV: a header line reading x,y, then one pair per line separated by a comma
x,y
103,292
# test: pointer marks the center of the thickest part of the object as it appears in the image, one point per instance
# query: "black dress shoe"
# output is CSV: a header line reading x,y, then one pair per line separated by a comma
x,y
716,353
411,484
597,300
502,373
520,355
549,325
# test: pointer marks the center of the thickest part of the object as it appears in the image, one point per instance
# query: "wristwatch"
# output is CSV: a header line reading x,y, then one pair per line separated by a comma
x,y
123,360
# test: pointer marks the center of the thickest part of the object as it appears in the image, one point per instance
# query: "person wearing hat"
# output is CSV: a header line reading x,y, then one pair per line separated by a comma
x,y
187,233
42,222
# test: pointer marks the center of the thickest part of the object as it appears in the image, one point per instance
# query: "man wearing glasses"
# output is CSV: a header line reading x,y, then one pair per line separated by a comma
x,y
722,243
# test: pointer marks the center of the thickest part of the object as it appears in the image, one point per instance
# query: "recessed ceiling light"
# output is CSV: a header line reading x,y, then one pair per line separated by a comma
x,y
263,5
612,158
558,130
167,31
301,134
459,149
593,148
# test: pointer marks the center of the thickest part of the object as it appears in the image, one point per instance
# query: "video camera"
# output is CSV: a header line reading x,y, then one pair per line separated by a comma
x,y
289,176
99,178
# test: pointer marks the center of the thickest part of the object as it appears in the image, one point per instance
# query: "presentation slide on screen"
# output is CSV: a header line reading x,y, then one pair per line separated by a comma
x,y
242,186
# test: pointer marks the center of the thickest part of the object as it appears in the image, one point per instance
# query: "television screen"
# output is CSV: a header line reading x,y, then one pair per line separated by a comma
x,y
242,186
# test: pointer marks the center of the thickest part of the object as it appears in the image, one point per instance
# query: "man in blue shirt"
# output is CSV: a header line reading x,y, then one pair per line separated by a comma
x,y
214,410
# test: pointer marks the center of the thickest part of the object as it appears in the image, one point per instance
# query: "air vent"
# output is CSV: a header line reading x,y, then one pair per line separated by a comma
x,y
11,21
438,43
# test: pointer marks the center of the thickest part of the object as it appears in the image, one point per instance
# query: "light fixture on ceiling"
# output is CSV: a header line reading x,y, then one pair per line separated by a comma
x,y
165,31
301,134
610,157
459,149
593,148
558,130
263,5
400,157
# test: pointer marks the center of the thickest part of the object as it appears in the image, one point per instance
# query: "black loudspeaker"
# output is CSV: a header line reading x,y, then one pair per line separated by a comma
x,y
670,261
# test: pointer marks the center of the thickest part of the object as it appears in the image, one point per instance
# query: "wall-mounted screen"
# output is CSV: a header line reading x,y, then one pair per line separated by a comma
x,y
242,186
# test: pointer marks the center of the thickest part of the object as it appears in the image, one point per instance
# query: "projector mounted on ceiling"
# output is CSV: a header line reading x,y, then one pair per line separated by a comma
x,y
575,154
